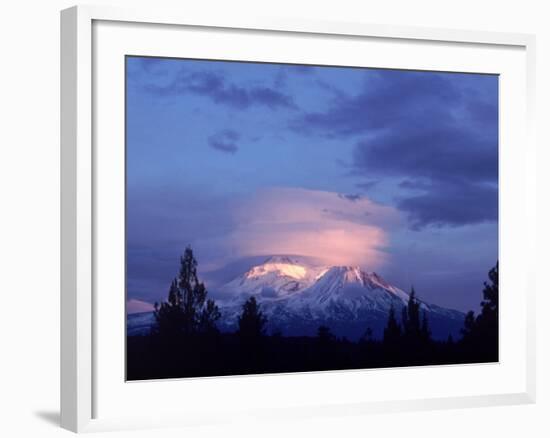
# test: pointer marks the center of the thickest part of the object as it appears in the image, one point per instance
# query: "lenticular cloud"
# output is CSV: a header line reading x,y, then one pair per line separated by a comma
x,y
323,225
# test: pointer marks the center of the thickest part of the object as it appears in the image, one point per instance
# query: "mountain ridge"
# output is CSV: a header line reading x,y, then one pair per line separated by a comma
x,y
298,296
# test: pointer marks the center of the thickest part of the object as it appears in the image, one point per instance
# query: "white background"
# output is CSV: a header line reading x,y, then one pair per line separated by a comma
x,y
29,221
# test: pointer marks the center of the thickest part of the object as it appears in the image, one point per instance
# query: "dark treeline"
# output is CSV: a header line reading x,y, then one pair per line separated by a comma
x,y
185,341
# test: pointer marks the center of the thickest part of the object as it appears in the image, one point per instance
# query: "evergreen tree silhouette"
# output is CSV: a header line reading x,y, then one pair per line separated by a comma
x,y
169,314
425,333
411,318
392,332
252,337
252,321
487,321
193,292
488,317
480,334
208,317
187,310
469,325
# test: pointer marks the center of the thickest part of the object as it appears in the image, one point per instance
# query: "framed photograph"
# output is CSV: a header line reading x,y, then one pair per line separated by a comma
x,y
256,208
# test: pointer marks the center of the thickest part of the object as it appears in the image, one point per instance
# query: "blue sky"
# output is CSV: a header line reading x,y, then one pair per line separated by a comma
x,y
395,171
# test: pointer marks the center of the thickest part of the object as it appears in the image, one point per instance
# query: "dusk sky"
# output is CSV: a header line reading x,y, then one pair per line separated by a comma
x,y
394,171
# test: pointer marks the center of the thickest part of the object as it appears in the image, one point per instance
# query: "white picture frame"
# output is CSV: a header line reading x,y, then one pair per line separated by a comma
x,y
83,371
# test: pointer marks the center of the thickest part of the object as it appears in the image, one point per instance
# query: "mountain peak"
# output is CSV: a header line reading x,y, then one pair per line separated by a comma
x,y
278,266
346,273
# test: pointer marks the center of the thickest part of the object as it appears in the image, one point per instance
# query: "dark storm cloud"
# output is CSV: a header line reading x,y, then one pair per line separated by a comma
x,y
225,141
437,133
452,205
435,152
388,97
219,89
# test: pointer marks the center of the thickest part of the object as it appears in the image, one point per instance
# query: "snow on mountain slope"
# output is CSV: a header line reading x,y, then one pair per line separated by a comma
x,y
349,283
278,277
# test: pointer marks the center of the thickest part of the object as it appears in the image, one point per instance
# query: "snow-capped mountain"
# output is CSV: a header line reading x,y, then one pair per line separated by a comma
x,y
298,296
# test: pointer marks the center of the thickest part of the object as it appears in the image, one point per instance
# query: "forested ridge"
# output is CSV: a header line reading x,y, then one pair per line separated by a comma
x,y
186,342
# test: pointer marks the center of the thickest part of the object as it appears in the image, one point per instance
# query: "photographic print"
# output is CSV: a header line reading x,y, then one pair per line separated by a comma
x,y
296,218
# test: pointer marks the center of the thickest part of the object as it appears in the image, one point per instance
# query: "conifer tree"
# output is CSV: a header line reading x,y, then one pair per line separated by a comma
x,y
425,333
469,325
252,321
187,310
488,317
169,315
208,317
392,332
480,334
411,317
193,291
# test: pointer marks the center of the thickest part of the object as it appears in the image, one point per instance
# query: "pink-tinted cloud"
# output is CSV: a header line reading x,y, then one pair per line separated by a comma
x,y
335,229
138,306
